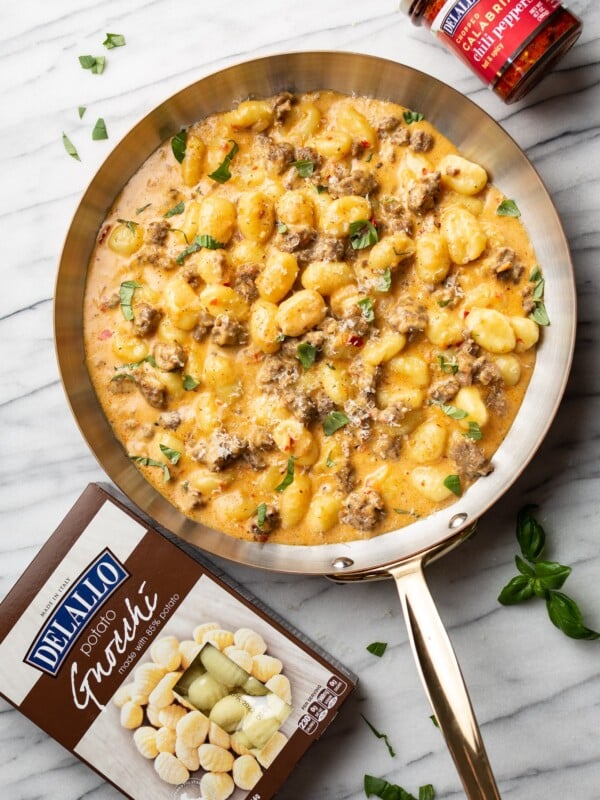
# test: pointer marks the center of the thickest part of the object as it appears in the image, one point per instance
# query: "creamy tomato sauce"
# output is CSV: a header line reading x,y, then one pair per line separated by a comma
x,y
308,319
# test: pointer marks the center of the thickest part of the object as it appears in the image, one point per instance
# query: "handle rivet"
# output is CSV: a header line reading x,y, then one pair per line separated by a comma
x,y
342,563
457,520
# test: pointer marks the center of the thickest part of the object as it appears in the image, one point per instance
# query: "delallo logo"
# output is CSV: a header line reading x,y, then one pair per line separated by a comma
x,y
89,593
455,16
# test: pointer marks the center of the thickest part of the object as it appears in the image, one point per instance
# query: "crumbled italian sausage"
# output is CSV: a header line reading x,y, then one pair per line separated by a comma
x,y
358,182
363,509
421,141
471,461
146,319
153,391
423,193
409,316
169,356
228,332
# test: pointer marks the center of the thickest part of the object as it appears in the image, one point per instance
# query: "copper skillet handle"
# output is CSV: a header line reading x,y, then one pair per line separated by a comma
x,y
444,682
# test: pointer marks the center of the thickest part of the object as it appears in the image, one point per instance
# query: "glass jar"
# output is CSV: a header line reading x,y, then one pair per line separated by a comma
x,y
510,44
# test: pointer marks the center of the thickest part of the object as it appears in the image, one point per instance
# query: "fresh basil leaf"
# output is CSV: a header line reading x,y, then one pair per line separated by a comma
x,y
539,314
172,455
412,116
81,111
550,574
173,212
517,590
385,281
536,275
367,309
205,241
282,227
379,787
524,568
565,614
289,475
149,359
362,234
189,383
98,66
449,367
87,62
222,173
261,515
142,208
70,147
330,462
334,421
474,432
444,303
99,131
320,189
126,290
538,291
452,482
304,167
377,648
178,145
306,354
113,40
407,512
369,157
380,736
451,411
508,208
426,792
530,534
151,462
433,718
130,224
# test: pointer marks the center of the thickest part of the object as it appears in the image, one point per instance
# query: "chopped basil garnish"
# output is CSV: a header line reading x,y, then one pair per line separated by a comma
x,y
334,421
87,62
282,227
99,131
81,111
306,354
363,234
150,462
451,411
433,718
178,144
380,736
261,515
444,303
70,147
539,313
449,367
320,189
508,208
129,223
95,64
330,462
385,281
222,174
369,157
543,579
113,40
189,383
304,167
126,291
142,208
135,364
452,482
199,242
367,309
379,787
474,432
172,455
408,512
377,648
289,475
412,116
178,209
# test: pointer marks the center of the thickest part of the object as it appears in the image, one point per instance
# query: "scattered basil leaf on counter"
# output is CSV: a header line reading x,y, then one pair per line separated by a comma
x,y
142,208
367,309
222,173
330,462
379,787
151,462
261,515
380,735
304,167
289,475
451,411
81,111
474,432
306,354
178,145
113,40
412,116
126,290
172,455
363,234
178,209
189,383
129,223
452,482
543,579
377,648
95,64
282,227
426,792
334,421
99,131
70,147
385,281
449,367
508,208
87,62
433,718
197,244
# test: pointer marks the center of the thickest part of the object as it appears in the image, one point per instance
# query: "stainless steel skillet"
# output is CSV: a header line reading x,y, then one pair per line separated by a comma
x,y
399,554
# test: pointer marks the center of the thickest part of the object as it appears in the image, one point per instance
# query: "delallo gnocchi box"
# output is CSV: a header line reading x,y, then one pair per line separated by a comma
x,y
155,671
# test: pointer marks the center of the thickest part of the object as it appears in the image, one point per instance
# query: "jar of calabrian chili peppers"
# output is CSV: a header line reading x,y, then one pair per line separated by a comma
x,y
509,44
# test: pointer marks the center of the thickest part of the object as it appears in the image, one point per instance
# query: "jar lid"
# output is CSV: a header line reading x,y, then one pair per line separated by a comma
x,y
414,8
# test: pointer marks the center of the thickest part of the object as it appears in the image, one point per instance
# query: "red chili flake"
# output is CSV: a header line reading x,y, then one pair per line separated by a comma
x,y
105,334
356,341
466,314
364,143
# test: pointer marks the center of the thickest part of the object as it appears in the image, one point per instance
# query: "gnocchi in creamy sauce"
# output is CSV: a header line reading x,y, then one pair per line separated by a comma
x,y
308,319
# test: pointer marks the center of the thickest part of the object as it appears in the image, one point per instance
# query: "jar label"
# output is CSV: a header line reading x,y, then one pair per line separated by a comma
x,y
489,34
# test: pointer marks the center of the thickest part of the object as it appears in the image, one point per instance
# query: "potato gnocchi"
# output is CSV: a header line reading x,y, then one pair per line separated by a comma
x,y
214,714
322,287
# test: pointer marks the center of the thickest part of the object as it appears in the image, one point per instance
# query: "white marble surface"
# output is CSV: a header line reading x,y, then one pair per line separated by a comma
x,y
536,693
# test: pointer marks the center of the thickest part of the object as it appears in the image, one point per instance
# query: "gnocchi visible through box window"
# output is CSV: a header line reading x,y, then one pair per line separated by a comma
x,y
153,670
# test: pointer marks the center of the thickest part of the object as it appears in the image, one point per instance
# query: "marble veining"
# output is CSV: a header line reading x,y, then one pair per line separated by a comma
x,y
536,693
